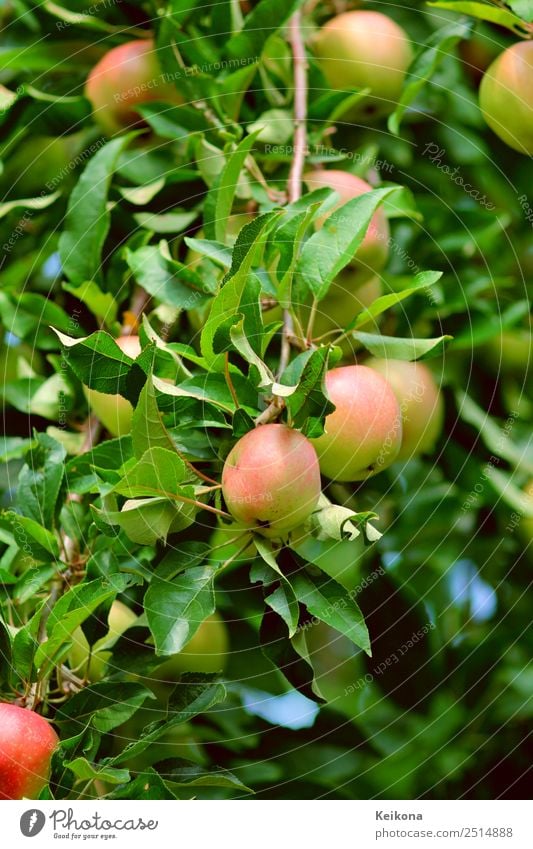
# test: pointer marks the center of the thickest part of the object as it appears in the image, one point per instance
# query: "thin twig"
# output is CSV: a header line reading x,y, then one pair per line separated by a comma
x,y
294,185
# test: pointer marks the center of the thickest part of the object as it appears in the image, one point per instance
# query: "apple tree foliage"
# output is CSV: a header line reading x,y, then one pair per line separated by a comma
x,y
382,652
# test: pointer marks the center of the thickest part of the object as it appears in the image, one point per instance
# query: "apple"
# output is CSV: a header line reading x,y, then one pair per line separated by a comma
x,y
271,479
206,652
373,252
511,352
338,666
362,49
119,620
506,96
420,401
27,743
114,411
126,77
363,434
347,297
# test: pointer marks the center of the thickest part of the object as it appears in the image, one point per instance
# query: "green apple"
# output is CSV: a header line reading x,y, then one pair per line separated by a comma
x,y
506,96
205,652
119,620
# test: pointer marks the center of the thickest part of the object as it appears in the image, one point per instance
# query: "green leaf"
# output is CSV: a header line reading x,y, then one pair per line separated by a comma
x,y
396,348
103,705
32,582
148,786
523,8
73,608
85,771
158,472
422,280
39,483
27,531
175,609
497,439
309,405
282,600
100,364
29,203
332,247
329,602
147,520
148,430
188,699
166,279
262,22
486,12
88,218
427,61
195,776
219,200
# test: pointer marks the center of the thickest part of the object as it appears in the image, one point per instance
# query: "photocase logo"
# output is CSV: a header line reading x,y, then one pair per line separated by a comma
x,y
32,822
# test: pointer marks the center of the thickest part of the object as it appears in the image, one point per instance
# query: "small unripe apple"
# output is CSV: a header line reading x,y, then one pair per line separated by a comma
x,y
126,77
420,401
346,298
363,434
511,352
361,49
119,620
114,411
373,252
27,743
338,666
506,96
206,652
271,479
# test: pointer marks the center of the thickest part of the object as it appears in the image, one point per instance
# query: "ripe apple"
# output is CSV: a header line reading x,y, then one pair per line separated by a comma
x,y
271,479
114,411
361,49
205,652
420,401
363,435
27,743
126,77
506,96
119,620
373,252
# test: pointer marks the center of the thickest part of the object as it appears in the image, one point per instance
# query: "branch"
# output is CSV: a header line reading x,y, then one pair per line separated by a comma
x,y
300,107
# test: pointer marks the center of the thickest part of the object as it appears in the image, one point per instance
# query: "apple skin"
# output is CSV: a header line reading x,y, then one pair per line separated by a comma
x,y
373,252
126,77
206,652
363,435
361,49
114,411
338,666
511,352
506,96
421,404
27,743
271,480
119,620
347,297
